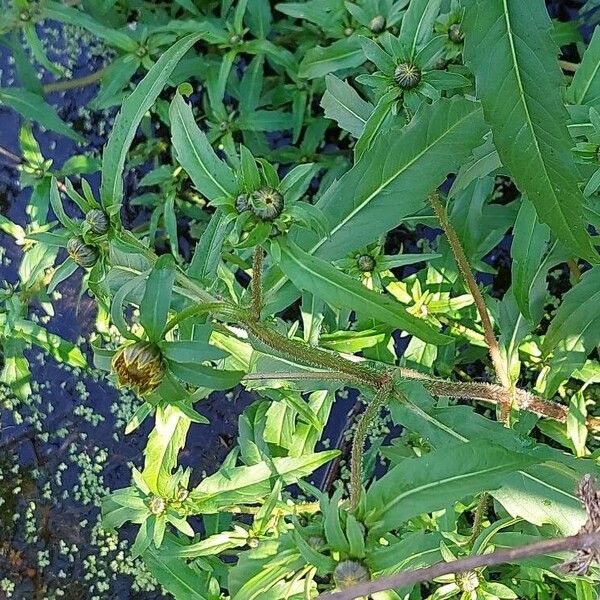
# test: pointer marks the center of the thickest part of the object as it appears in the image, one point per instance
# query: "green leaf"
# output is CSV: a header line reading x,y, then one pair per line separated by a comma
x,y
577,321
314,275
394,178
342,103
509,48
439,479
208,250
133,109
57,347
236,485
528,249
184,581
164,443
207,377
33,107
156,301
190,351
342,54
417,24
585,87
211,176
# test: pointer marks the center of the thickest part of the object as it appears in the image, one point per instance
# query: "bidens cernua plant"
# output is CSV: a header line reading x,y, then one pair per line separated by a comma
x,y
394,202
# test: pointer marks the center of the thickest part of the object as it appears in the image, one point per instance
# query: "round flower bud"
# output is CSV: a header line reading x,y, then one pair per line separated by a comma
x,y
467,581
455,33
157,505
377,24
348,31
349,573
241,203
266,204
38,172
141,51
25,15
98,221
366,263
139,366
316,542
407,76
235,39
83,254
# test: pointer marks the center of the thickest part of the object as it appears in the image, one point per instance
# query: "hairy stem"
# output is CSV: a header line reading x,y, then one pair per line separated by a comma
x,y
480,514
70,84
358,443
256,281
465,269
478,561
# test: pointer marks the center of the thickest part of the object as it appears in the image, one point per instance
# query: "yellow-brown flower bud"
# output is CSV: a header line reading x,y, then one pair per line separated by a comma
x,y
139,366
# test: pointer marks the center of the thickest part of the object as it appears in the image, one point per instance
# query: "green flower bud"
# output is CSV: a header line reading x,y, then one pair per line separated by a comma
x,y
407,76
348,31
98,221
455,33
316,542
83,254
235,39
139,366
366,263
349,573
157,505
377,24
266,204
25,16
141,51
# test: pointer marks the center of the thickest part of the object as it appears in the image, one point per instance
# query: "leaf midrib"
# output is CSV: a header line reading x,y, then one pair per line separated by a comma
x,y
513,54
388,181
398,498
189,139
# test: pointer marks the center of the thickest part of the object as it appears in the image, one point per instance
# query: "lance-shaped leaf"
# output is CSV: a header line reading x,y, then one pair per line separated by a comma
x,y
155,304
585,87
133,109
236,485
213,178
164,443
438,479
342,54
509,48
34,107
342,103
394,178
312,274
577,320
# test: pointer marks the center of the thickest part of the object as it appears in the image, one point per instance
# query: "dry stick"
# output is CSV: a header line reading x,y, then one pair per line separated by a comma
x,y
465,269
255,283
399,580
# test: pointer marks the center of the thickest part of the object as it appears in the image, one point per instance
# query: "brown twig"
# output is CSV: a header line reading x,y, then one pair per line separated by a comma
x,y
465,269
406,578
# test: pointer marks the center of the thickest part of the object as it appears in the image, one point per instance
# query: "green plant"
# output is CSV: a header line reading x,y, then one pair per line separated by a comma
x,y
294,290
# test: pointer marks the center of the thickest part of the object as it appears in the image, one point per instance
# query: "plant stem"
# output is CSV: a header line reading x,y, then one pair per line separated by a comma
x,y
480,513
256,281
190,311
358,443
10,155
478,561
296,376
465,269
70,84
568,66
